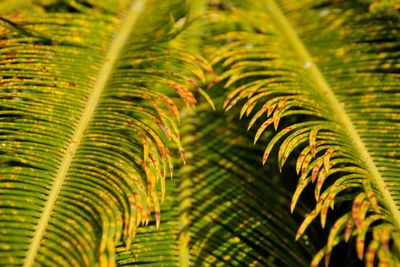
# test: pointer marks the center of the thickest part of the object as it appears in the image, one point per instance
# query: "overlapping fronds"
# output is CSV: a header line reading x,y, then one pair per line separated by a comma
x,y
90,92
222,208
86,125
325,75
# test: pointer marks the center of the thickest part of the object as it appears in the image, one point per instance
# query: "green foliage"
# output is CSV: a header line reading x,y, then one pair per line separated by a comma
x,y
346,103
91,93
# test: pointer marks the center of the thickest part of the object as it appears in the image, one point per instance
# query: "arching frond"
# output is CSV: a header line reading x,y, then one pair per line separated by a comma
x,y
325,75
222,208
86,125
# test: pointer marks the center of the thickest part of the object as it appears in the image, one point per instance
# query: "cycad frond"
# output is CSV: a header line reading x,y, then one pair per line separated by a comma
x,y
222,208
86,125
334,64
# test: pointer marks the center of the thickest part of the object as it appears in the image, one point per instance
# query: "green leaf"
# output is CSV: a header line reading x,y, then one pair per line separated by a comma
x,y
86,128
327,71
220,209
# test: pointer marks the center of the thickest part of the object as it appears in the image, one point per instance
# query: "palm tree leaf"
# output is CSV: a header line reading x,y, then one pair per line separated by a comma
x,y
222,208
85,132
334,65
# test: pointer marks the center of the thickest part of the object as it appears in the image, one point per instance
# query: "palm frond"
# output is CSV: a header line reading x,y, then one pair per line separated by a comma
x,y
86,126
325,75
222,208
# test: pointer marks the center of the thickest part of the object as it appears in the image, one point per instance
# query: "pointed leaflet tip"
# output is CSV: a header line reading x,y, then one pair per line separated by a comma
x,y
328,202
250,109
302,183
277,114
317,258
327,258
360,241
262,128
336,229
180,148
265,156
304,166
229,98
364,209
183,156
301,158
257,115
385,237
157,211
371,196
312,140
327,156
203,93
323,207
276,138
371,251
349,229
324,214
158,219
332,205
289,144
309,218
276,121
139,214
356,210
271,106
315,169
321,178
170,164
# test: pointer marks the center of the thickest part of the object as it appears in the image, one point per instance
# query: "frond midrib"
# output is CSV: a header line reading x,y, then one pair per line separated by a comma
x,y
315,75
103,76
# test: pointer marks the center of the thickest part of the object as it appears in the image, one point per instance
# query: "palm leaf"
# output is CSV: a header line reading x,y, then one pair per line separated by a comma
x,y
222,208
325,75
86,126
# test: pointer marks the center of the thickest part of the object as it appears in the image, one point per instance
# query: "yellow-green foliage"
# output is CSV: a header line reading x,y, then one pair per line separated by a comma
x,y
101,100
